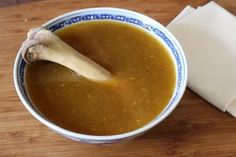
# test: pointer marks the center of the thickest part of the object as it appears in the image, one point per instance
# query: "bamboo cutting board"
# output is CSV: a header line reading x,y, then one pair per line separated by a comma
x,y
195,128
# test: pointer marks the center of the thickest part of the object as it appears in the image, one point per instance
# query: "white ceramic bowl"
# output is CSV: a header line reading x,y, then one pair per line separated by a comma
x,y
121,15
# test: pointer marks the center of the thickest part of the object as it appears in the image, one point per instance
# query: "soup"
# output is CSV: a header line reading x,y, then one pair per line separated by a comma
x,y
143,74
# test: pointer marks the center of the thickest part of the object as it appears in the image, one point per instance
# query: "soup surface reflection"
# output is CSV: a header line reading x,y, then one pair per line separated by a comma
x,y
143,76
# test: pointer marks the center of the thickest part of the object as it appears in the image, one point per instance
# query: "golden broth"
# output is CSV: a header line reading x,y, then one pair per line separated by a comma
x,y
140,64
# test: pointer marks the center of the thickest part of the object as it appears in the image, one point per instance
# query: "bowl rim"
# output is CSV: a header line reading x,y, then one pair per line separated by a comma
x,y
105,138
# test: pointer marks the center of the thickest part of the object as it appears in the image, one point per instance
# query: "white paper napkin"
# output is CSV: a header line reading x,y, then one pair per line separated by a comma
x,y
208,37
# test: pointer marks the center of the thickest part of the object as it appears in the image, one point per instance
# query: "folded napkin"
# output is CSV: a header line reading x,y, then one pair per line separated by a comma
x,y
208,37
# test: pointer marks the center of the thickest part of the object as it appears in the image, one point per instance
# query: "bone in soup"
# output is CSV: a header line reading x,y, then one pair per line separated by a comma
x,y
143,74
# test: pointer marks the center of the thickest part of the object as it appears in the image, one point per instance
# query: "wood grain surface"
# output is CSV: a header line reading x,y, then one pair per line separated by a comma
x,y
195,128
4,3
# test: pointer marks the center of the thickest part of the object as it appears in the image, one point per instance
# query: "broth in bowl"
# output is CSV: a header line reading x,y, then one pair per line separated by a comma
x,y
143,80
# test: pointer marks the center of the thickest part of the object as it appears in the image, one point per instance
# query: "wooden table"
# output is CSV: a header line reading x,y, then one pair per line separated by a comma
x,y
195,128
4,3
